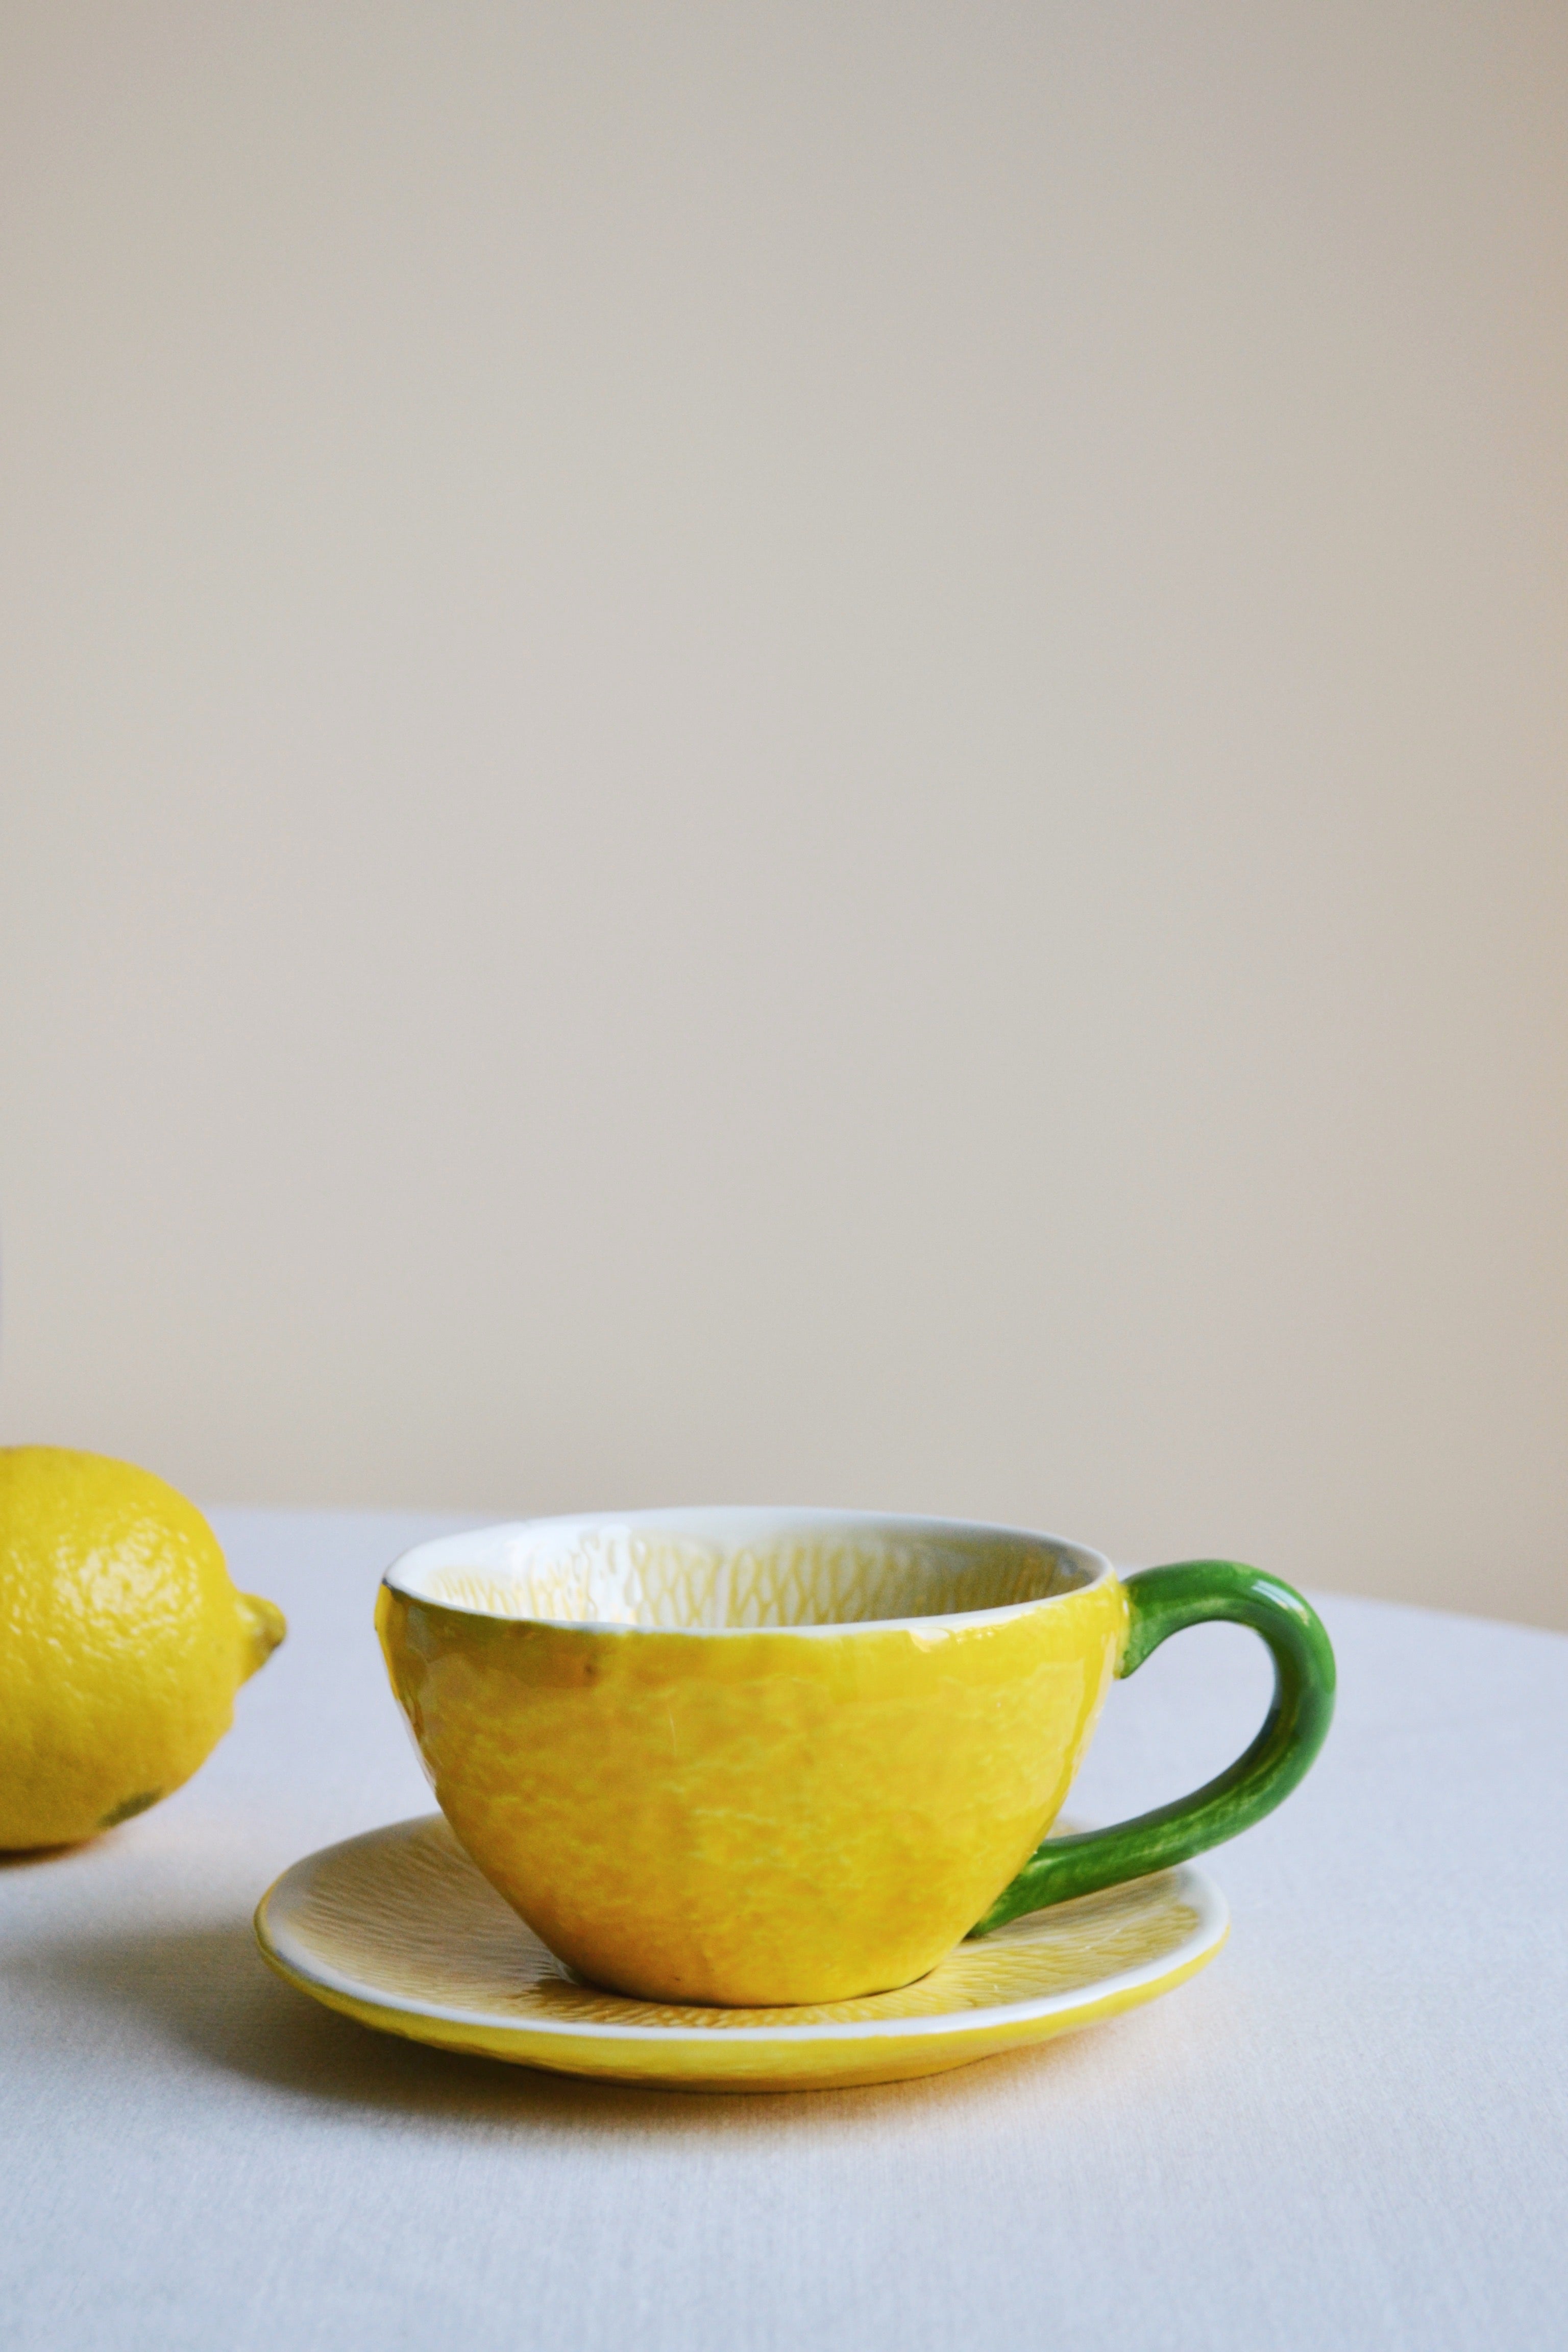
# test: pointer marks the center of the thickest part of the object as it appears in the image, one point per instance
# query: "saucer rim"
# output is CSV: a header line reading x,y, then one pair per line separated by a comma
x,y
313,1976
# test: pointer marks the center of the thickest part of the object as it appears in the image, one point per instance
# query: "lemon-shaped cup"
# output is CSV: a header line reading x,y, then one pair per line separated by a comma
x,y
123,1643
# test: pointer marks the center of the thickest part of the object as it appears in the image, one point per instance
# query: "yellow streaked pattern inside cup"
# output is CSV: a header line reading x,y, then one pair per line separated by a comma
x,y
611,1575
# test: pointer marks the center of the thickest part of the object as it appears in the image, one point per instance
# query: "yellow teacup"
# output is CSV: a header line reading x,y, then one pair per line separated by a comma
x,y
760,1758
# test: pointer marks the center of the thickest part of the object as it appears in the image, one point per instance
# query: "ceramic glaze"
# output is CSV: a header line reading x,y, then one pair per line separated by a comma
x,y
764,1758
762,1788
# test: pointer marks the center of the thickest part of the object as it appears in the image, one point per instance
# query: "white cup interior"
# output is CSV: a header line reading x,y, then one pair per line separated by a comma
x,y
741,1571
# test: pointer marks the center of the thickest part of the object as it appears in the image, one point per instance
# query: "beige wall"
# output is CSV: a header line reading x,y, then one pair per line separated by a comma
x,y
796,752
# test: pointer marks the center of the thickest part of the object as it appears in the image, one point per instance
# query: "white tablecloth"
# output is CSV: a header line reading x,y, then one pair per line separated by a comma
x,y
1351,2129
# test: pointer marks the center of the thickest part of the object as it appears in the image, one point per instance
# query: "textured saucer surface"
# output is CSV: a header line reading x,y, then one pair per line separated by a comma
x,y
398,1929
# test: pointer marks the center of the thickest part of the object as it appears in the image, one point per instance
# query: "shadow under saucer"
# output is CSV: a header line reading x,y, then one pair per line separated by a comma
x,y
199,1993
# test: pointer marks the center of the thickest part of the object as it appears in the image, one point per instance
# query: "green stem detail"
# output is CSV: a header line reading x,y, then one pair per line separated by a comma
x,y
1165,1601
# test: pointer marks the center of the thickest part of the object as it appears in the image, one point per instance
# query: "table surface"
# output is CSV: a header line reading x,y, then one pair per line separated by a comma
x,y
1351,2129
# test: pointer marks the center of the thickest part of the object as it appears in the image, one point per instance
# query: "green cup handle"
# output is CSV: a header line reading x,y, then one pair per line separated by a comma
x,y
1164,1600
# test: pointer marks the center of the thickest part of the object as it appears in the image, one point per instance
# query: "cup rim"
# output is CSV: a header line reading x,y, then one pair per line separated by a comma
x,y
447,1551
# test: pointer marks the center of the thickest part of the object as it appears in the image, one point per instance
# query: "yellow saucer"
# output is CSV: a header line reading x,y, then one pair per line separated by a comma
x,y
398,1929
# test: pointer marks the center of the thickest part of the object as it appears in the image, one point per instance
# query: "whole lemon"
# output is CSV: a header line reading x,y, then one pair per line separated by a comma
x,y
123,1643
